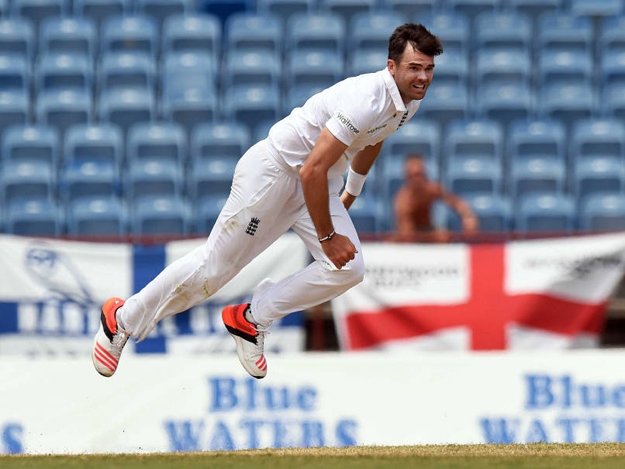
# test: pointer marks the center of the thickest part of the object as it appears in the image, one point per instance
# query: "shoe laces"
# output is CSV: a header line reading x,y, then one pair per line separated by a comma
x,y
119,340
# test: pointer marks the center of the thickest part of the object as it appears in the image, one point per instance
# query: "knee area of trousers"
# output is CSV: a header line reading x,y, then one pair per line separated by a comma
x,y
353,273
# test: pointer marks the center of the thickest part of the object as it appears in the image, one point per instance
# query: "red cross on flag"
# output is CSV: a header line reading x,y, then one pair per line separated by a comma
x,y
549,293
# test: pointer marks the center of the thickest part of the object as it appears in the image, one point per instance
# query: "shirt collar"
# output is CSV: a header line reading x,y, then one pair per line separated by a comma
x,y
391,86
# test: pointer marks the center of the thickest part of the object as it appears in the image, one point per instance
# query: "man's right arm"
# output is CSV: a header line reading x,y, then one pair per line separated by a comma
x,y
314,176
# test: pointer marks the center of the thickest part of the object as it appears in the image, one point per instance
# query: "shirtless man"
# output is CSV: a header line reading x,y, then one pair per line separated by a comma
x,y
414,201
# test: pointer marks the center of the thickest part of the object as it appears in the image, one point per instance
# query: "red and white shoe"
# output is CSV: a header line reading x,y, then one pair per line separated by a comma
x,y
249,337
109,340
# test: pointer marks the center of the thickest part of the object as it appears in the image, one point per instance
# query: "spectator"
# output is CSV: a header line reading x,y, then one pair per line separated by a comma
x,y
413,206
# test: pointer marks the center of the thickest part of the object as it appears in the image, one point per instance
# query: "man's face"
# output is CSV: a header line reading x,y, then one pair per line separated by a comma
x,y
413,74
416,175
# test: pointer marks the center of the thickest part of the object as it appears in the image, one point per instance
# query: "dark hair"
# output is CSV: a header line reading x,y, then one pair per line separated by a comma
x,y
417,35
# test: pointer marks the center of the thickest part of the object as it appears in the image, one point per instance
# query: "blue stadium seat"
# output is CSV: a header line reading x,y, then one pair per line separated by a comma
x,y
27,179
598,174
71,35
320,68
370,30
533,175
476,138
251,30
505,103
125,107
17,36
126,70
207,210
37,11
420,136
613,68
64,108
133,33
286,8
348,9
559,31
537,139
64,72
364,214
190,107
503,29
550,212
31,142
216,140
473,8
411,9
211,177
153,177
565,67
35,217
97,217
445,103
535,8
14,108
598,137
160,10
155,215
474,175
316,31
603,212
184,71
493,212
568,103
507,66
452,68
15,72
99,11
452,28
99,143
366,61
193,32
613,101
252,67
251,104
88,178
298,94
596,8
160,141
611,36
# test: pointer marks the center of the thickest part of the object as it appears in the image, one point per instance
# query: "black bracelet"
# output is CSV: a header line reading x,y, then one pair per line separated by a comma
x,y
327,238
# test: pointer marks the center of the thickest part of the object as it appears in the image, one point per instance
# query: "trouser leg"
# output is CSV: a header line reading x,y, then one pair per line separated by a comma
x,y
318,282
258,210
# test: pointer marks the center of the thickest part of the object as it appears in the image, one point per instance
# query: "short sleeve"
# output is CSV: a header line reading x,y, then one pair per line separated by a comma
x,y
352,116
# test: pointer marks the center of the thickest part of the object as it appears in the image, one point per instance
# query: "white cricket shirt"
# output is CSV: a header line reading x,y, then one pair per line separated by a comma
x,y
360,111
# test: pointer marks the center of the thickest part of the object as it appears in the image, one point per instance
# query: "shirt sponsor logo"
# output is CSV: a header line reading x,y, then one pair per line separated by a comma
x,y
347,123
375,129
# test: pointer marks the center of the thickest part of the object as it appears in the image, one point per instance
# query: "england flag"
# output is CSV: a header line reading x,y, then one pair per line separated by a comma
x,y
535,294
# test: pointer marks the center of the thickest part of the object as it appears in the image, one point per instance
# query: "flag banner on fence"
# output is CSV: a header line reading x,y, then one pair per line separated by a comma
x,y
549,293
51,292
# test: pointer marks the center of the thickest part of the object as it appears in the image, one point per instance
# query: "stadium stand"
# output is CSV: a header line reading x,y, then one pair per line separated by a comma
x,y
76,78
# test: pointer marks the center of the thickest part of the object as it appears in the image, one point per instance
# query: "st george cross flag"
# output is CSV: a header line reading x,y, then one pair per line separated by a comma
x,y
548,293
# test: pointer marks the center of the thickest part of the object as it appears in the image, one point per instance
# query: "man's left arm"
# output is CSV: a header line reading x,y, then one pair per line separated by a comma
x,y
360,166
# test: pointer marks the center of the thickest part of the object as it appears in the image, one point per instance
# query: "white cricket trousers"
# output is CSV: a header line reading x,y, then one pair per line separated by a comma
x,y
266,200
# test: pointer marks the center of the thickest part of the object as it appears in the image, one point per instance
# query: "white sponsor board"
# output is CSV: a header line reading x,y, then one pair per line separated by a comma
x,y
169,403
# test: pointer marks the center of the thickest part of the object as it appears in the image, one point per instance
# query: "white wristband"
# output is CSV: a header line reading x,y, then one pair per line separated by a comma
x,y
355,182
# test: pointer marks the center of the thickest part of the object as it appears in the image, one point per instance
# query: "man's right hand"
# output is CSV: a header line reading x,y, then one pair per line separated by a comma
x,y
339,249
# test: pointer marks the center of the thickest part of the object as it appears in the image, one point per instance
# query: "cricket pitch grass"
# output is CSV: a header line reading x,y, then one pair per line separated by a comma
x,y
566,456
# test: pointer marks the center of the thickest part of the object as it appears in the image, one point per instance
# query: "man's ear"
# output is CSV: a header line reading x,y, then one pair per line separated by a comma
x,y
390,64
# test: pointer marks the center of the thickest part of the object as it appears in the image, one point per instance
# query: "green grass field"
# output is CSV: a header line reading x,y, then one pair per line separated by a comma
x,y
565,456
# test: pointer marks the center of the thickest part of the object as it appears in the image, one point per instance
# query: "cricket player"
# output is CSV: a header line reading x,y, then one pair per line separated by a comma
x,y
291,180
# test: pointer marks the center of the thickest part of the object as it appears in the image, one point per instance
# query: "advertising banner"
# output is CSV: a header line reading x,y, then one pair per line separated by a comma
x,y
166,403
548,294
51,292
